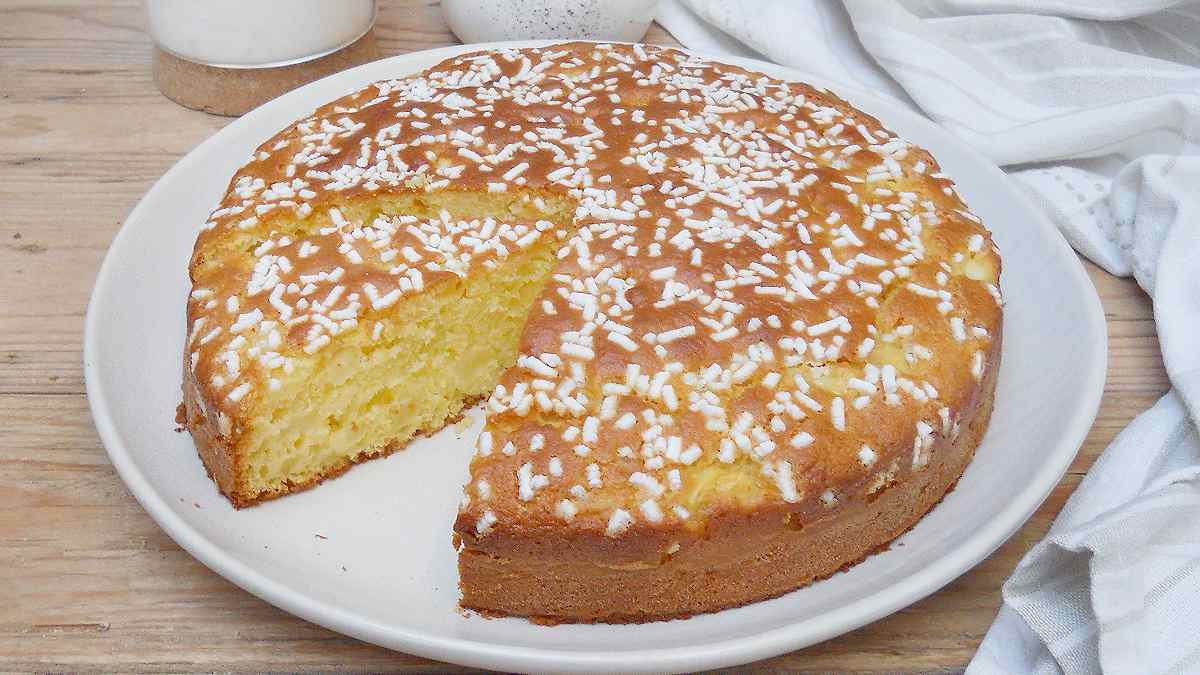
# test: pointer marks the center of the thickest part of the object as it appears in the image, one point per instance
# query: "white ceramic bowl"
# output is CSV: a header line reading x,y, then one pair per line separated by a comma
x,y
257,34
385,570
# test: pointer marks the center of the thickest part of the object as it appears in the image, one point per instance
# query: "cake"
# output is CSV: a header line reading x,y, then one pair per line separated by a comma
x,y
732,335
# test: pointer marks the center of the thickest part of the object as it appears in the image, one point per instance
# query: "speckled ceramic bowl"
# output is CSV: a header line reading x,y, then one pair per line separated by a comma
x,y
490,20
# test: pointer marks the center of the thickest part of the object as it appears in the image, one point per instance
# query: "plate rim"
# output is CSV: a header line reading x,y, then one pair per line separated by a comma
x,y
999,528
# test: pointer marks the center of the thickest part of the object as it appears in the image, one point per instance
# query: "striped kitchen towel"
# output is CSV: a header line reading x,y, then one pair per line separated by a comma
x,y
1093,108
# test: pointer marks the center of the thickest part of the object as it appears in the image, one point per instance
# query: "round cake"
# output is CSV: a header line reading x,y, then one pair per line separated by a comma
x,y
733,335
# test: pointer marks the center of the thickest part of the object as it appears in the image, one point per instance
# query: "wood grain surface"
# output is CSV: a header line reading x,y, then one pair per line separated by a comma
x,y
87,581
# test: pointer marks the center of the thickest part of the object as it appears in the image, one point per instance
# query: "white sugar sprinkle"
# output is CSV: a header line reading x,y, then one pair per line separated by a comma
x,y
618,523
866,455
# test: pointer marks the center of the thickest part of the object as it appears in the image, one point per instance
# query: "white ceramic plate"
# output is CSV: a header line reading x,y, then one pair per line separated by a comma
x,y
383,569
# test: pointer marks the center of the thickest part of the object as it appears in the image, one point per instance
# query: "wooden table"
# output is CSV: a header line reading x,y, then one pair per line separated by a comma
x,y
87,580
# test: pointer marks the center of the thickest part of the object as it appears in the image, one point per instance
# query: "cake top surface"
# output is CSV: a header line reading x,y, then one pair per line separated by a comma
x,y
761,297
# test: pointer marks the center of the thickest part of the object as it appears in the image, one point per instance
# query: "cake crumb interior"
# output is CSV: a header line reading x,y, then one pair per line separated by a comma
x,y
407,371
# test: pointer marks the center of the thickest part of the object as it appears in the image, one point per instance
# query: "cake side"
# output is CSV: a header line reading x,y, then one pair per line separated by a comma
x,y
738,558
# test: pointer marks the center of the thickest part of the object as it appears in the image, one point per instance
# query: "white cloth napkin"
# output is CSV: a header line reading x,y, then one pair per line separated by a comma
x,y
1093,108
